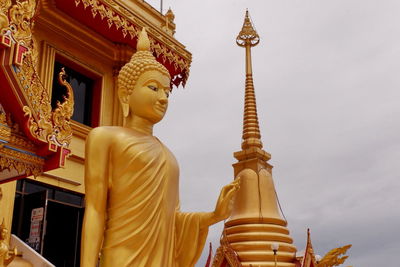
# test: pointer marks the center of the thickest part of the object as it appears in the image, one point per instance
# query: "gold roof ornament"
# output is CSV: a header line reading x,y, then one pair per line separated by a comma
x,y
170,15
169,18
248,35
334,257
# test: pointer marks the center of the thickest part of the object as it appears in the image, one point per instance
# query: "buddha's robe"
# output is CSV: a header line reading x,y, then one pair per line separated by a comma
x,y
144,225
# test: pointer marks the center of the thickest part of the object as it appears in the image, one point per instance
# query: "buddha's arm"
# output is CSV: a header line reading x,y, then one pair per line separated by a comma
x,y
192,228
223,207
96,185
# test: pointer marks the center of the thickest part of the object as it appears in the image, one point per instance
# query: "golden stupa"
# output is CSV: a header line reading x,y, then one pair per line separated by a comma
x,y
256,226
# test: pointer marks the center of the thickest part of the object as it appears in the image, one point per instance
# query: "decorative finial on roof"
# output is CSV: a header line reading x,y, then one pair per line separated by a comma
x,y
248,35
170,15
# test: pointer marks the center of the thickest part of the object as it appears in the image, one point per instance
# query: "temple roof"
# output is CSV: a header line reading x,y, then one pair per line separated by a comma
x,y
121,21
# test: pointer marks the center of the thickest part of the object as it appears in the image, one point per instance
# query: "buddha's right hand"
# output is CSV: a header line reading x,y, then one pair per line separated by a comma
x,y
224,204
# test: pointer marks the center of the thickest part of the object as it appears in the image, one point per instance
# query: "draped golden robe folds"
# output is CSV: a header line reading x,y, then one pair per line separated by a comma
x,y
147,228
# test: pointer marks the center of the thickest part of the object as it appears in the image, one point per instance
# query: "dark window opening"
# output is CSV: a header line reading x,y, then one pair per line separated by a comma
x,y
58,239
83,87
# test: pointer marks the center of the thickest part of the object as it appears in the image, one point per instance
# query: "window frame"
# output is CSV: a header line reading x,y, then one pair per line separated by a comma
x,y
50,55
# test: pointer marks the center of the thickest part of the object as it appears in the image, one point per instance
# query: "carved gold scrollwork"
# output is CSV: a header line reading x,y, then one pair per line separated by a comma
x,y
63,112
218,258
4,7
21,20
17,151
334,257
248,35
5,131
124,20
47,125
225,251
53,126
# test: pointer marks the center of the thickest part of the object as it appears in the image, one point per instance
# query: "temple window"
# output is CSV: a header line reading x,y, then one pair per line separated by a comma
x,y
86,86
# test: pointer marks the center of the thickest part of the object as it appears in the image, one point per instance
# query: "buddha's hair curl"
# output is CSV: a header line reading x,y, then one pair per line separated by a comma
x,y
140,62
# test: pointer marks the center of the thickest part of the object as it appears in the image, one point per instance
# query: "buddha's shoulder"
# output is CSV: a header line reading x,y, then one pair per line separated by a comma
x,y
114,133
108,132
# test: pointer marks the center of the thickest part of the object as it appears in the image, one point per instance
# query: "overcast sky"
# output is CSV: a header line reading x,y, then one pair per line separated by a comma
x,y
327,79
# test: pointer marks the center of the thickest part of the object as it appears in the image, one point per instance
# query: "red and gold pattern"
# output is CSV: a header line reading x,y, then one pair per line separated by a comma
x,y
123,26
16,151
45,133
225,255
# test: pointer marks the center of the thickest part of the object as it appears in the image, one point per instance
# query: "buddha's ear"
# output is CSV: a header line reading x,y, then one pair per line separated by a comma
x,y
123,96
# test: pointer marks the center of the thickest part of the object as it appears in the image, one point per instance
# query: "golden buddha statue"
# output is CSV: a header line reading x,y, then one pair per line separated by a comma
x,y
132,216
6,255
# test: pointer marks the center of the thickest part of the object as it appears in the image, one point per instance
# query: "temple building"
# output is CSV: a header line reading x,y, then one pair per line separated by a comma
x,y
256,234
58,69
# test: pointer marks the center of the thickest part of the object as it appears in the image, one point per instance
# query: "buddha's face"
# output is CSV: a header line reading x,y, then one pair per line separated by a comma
x,y
149,98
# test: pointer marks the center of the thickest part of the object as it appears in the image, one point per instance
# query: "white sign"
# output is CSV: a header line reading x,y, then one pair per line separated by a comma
x,y
37,215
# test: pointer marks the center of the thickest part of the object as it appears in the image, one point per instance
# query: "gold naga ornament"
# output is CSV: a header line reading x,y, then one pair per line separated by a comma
x,y
334,257
132,215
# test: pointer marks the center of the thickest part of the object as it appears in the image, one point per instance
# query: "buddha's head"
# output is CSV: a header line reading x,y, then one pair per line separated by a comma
x,y
144,84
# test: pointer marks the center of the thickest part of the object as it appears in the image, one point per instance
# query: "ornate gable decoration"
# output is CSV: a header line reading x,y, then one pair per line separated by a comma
x,y
334,257
23,93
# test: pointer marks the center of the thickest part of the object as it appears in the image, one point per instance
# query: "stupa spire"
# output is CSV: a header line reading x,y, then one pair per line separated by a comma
x,y
251,136
256,226
248,38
